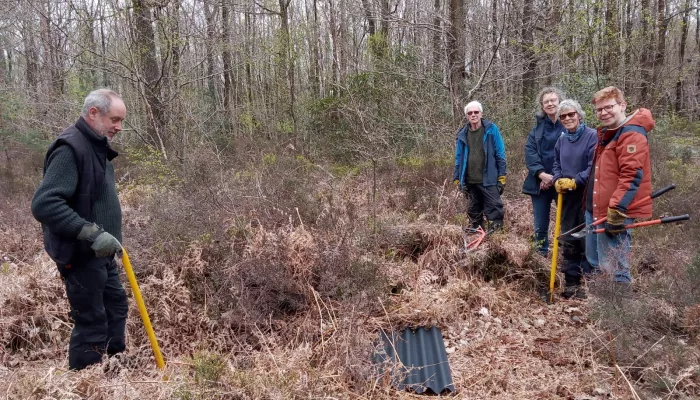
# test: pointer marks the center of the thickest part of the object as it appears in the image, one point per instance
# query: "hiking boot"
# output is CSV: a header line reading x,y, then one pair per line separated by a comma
x,y
495,226
474,225
569,292
581,293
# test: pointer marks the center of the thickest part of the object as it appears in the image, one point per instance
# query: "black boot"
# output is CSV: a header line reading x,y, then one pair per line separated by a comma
x,y
474,225
495,226
575,291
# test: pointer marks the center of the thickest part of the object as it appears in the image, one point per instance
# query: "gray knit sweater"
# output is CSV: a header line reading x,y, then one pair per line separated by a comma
x,y
50,204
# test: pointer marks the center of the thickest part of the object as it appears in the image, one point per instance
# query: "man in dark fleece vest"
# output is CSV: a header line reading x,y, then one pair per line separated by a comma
x,y
79,210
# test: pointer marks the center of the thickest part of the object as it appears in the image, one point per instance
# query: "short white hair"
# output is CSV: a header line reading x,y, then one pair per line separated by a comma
x,y
473,104
100,99
570,103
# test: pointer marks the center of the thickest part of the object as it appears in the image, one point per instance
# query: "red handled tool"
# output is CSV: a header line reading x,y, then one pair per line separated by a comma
x,y
584,229
591,229
472,244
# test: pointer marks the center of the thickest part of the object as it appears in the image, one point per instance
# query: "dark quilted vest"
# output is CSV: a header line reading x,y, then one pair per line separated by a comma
x,y
90,157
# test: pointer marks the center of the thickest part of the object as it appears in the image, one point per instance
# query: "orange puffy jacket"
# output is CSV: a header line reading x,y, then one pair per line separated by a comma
x,y
623,167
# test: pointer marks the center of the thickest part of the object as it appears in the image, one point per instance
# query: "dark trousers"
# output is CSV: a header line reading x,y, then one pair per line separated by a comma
x,y
98,308
541,205
483,201
574,262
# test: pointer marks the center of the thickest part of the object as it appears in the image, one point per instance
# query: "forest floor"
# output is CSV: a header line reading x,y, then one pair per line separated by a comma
x,y
292,307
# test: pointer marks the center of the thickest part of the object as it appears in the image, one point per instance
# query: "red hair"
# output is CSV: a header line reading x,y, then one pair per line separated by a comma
x,y
610,92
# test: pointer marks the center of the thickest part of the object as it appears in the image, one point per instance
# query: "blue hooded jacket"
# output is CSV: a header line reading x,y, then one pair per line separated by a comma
x,y
494,149
539,156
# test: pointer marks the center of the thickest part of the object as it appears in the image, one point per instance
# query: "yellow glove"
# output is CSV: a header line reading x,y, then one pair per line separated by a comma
x,y
501,185
563,185
456,182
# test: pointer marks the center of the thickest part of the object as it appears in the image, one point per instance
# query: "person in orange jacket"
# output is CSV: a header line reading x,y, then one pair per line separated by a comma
x,y
621,173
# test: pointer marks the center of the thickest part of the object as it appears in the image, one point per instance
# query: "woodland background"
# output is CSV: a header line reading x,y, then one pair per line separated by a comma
x,y
285,184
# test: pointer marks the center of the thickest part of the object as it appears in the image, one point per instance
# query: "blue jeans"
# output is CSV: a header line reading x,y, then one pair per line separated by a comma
x,y
591,245
541,205
614,254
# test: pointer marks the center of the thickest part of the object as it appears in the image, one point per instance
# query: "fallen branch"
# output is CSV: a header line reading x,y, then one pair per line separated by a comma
x,y
634,393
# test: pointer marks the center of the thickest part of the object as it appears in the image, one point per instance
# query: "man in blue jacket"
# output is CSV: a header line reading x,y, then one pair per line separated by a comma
x,y
480,168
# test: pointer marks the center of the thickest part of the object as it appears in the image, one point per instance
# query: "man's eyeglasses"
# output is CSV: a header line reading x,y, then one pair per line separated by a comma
x,y
568,115
552,101
607,108
473,112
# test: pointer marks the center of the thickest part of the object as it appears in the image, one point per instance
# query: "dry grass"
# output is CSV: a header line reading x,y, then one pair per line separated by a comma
x,y
271,300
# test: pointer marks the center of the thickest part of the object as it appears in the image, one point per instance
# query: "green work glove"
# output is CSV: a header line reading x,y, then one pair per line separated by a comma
x,y
501,184
563,185
615,223
104,244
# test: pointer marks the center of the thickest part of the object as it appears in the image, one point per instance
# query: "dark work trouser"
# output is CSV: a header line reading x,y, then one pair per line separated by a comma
x,y
99,309
483,201
574,262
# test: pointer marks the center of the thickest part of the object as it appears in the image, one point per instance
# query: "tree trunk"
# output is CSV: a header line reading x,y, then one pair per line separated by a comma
x,y
571,51
494,23
210,12
103,61
50,52
227,61
144,42
628,45
611,40
660,56
678,105
32,70
553,21
314,56
88,78
371,18
646,59
455,57
335,45
287,68
3,64
437,37
697,50
343,40
249,57
385,14
530,59
10,78
175,46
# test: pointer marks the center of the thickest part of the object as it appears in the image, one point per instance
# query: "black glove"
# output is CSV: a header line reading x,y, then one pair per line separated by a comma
x,y
615,224
104,244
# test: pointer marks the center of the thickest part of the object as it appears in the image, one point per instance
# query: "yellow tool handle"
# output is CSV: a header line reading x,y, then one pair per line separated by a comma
x,y
555,250
142,309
